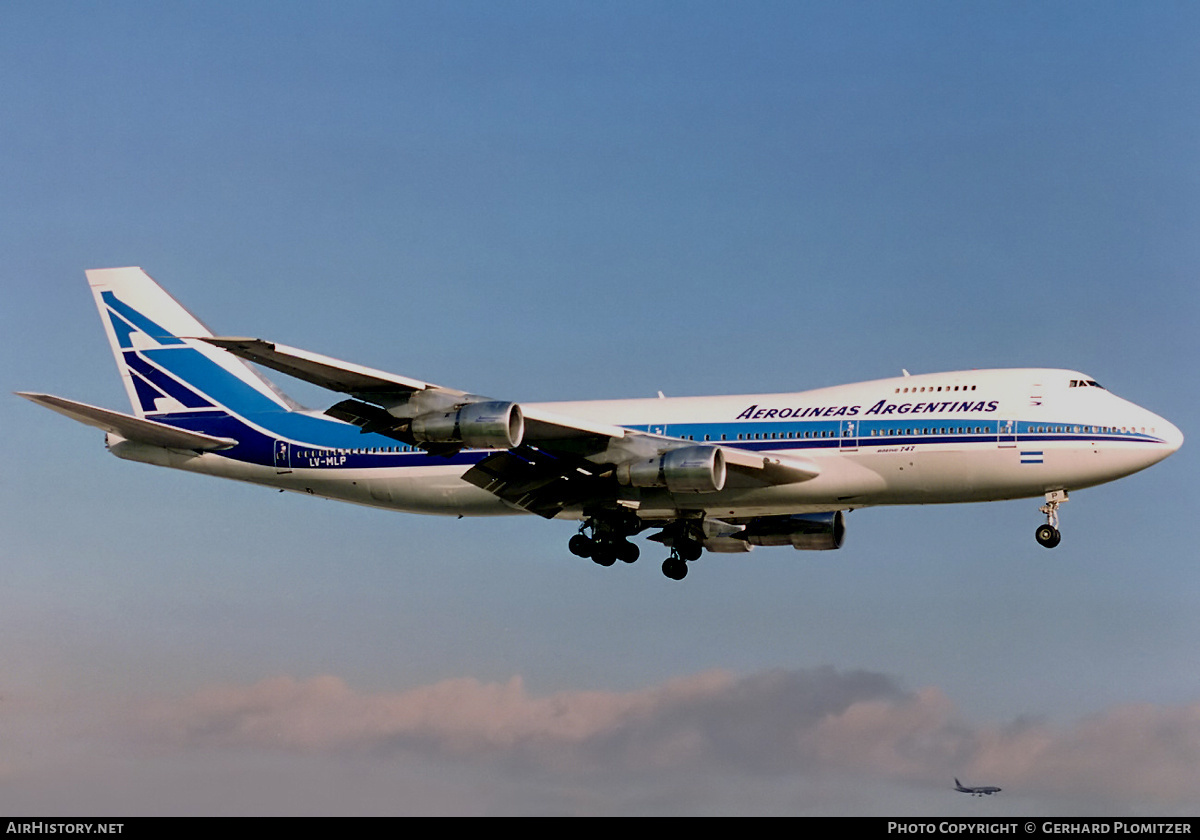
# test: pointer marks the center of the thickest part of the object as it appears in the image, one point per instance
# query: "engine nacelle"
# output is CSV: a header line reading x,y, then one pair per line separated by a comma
x,y
804,531
481,425
690,469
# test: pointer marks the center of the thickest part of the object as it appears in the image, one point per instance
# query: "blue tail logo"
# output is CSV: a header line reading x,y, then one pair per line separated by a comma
x,y
166,374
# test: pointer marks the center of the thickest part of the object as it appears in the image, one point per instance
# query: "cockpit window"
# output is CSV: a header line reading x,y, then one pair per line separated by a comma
x,y
1086,383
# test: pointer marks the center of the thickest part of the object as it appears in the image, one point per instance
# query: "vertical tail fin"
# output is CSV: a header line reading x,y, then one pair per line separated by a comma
x,y
164,371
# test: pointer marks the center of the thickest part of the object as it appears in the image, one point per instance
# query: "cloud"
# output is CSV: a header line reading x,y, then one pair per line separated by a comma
x,y
775,723
458,716
755,722
1136,750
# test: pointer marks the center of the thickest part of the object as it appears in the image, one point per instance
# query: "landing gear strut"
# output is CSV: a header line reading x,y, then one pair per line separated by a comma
x,y
686,545
1048,534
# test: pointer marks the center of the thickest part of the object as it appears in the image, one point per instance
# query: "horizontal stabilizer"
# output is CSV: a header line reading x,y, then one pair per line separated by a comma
x,y
130,427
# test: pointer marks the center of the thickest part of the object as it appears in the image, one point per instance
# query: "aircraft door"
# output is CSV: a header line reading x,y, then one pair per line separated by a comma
x,y
849,436
283,457
1006,434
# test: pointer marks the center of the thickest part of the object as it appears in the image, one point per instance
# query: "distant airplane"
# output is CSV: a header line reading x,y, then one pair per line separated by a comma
x,y
724,474
985,790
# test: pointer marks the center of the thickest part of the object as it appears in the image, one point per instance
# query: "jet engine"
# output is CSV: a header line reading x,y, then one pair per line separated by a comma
x,y
481,425
689,469
804,531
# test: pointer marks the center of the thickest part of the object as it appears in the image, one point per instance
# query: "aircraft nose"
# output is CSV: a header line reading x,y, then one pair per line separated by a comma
x,y
1170,434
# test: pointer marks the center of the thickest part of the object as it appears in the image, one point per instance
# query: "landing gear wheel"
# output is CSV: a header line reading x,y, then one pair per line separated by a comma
x,y
689,550
604,537
604,554
674,568
628,552
1048,536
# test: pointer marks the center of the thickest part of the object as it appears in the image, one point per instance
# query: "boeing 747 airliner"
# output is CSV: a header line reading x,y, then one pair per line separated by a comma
x,y
724,474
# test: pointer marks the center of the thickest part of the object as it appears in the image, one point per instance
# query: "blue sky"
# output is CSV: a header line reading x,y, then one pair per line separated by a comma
x,y
570,200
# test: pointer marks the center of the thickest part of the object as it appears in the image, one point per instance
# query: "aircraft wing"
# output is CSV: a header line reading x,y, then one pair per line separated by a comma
x,y
320,370
380,388
542,481
559,461
130,427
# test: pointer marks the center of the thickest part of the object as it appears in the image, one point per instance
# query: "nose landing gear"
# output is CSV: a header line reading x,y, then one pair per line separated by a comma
x,y
1048,535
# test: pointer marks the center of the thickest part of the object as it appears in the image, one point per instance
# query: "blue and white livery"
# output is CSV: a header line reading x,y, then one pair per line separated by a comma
x,y
718,473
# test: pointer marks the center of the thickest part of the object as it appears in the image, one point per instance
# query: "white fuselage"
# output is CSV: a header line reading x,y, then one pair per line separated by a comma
x,y
966,436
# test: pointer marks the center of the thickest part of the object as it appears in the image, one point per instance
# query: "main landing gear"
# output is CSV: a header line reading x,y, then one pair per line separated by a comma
x,y
1048,534
686,546
608,543
605,539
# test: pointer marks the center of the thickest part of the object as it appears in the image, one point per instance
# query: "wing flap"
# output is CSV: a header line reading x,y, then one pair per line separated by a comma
x,y
128,426
538,481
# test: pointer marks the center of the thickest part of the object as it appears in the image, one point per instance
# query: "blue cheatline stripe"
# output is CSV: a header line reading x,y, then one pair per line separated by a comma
x,y
324,436
323,443
877,433
139,320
